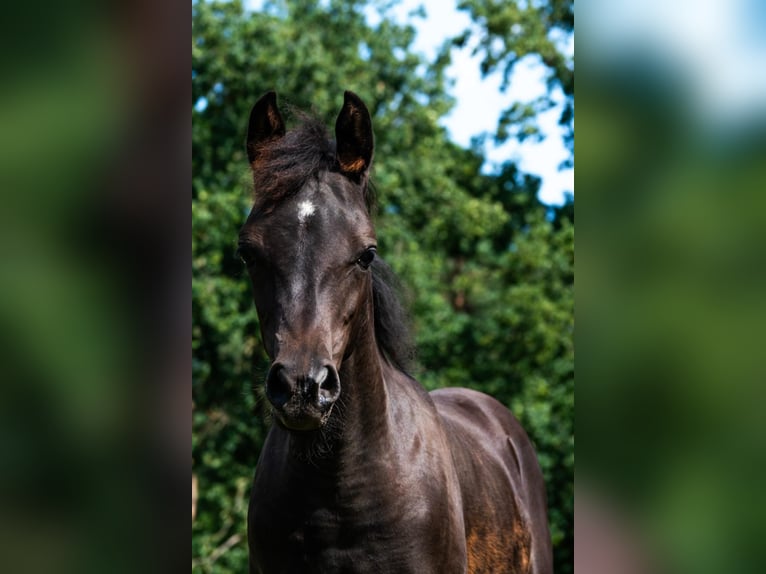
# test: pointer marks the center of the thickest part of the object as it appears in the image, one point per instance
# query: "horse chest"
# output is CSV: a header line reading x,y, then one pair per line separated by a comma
x,y
358,534
323,541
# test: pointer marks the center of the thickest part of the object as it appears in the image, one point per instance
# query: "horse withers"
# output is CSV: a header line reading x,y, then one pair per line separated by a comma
x,y
363,470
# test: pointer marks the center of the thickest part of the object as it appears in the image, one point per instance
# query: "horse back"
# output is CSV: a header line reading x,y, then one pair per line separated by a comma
x,y
502,488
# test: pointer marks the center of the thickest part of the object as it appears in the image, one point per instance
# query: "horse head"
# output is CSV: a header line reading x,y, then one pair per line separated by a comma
x,y
308,245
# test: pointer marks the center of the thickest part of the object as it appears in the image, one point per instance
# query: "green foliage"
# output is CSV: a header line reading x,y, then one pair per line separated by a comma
x,y
509,32
487,269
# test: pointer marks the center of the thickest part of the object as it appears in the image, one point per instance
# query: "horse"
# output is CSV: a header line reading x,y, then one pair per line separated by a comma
x,y
363,470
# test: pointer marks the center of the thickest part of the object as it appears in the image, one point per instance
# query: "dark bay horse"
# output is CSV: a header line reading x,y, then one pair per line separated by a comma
x,y
363,470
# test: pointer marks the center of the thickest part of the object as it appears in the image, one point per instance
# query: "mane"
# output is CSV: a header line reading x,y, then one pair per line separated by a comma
x,y
392,328
284,165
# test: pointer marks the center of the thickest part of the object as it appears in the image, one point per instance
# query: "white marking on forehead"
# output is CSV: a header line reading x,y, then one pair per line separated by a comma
x,y
305,210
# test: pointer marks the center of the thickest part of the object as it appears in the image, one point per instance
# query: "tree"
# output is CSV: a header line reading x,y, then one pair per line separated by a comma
x,y
487,269
508,32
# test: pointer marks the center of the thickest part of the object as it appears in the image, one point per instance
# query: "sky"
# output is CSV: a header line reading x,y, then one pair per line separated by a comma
x,y
479,102
719,44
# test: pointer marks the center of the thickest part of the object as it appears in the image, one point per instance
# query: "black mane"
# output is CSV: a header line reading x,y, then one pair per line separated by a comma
x,y
284,165
392,331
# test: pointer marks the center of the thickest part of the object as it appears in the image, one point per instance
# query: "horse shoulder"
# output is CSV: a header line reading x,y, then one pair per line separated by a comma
x,y
427,482
503,493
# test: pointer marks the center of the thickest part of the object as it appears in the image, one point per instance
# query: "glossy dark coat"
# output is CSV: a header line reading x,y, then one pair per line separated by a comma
x,y
363,470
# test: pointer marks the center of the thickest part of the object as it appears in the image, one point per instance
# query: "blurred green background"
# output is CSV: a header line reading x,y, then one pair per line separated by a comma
x,y
671,178
487,269
89,376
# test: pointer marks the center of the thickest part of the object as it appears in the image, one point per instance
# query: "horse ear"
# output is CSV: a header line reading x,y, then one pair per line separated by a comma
x,y
265,123
353,133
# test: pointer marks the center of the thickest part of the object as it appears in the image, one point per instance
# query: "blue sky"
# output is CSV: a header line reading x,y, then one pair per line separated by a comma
x,y
479,101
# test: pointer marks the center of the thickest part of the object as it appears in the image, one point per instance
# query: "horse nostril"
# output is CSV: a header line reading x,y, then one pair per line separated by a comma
x,y
329,386
321,376
320,388
279,387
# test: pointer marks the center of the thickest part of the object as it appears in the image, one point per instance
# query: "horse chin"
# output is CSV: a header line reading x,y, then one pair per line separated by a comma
x,y
302,420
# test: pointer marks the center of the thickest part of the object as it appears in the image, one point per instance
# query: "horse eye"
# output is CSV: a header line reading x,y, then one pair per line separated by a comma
x,y
246,256
366,258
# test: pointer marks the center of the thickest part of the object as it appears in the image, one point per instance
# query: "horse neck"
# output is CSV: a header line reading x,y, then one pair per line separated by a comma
x,y
365,404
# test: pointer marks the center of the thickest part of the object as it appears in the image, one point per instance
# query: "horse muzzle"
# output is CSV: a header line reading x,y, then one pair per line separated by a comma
x,y
302,400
